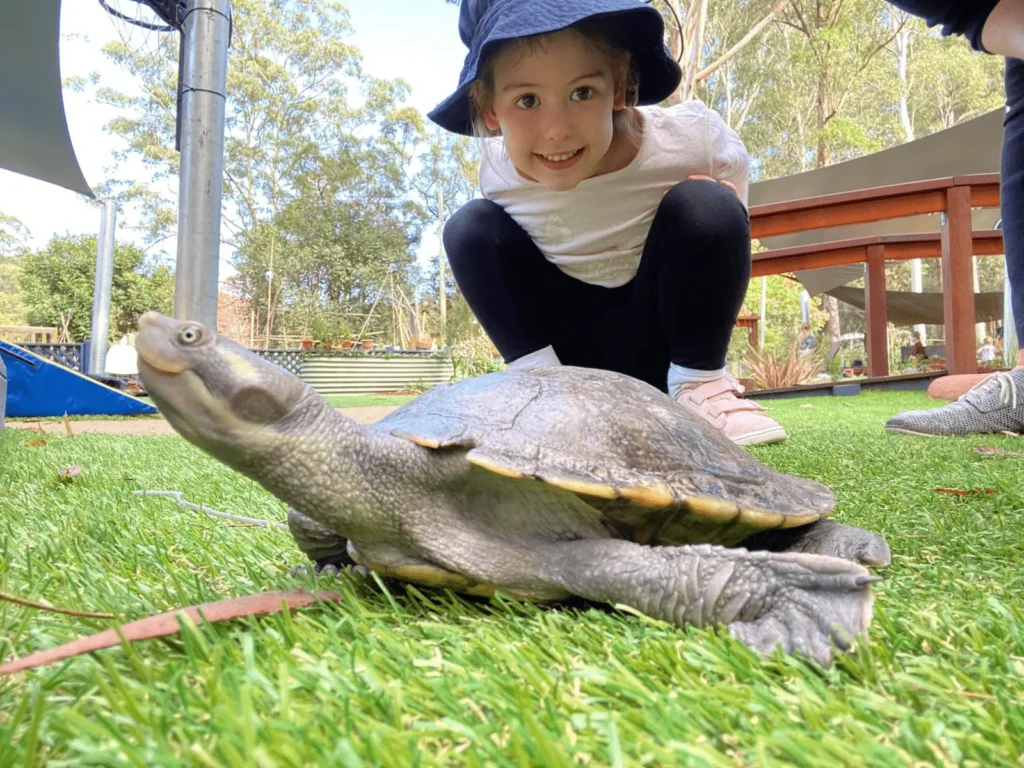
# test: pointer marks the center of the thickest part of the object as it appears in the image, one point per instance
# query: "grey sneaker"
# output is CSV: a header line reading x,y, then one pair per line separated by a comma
x,y
994,404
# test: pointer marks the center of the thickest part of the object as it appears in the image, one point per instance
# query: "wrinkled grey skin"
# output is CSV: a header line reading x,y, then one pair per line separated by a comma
x,y
404,509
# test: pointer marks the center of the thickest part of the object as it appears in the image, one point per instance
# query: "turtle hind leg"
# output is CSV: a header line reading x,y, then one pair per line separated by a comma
x,y
319,543
805,603
825,537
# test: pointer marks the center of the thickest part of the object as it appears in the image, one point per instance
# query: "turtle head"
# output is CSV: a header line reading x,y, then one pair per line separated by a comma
x,y
214,392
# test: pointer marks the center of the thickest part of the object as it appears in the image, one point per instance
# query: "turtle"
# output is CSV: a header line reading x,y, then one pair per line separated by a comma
x,y
544,484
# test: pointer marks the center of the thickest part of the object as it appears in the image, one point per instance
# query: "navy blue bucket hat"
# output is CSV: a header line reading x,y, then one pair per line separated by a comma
x,y
485,24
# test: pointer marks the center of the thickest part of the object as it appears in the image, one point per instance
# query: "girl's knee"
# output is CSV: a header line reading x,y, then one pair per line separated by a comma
x,y
706,209
469,225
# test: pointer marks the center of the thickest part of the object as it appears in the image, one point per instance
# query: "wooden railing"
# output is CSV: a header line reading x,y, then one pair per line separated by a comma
x,y
956,244
28,333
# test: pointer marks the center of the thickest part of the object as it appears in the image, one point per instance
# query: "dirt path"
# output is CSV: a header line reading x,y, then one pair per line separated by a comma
x,y
150,427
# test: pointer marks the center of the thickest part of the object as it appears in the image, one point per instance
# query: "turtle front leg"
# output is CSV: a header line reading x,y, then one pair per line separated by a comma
x,y
805,603
825,537
318,542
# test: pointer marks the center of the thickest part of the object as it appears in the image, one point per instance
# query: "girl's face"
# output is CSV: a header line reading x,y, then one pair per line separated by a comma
x,y
554,105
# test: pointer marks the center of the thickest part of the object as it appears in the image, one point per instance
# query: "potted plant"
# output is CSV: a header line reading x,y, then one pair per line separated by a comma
x,y
366,345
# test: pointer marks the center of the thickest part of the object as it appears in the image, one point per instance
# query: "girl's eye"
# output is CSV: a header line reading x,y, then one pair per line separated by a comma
x,y
582,93
527,101
190,334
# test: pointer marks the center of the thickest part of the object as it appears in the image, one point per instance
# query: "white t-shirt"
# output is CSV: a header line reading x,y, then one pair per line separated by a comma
x,y
596,231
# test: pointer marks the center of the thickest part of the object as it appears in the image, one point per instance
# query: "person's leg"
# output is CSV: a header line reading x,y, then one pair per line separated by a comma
x,y
1012,193
997,403
695,270
536,314
505,279
700,241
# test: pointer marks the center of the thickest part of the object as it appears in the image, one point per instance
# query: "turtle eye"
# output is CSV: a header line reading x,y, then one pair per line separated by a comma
x,y
190,334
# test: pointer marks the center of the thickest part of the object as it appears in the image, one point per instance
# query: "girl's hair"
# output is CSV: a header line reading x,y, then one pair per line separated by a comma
x,y
601,37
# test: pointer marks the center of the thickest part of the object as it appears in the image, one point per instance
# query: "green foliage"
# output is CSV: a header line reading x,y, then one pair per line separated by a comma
x,y
57,286
783,317
466,367
14,236
12,309
317,151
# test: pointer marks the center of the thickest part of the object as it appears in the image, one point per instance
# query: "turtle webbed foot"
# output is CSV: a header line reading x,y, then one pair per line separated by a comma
x,y
826,537
815,606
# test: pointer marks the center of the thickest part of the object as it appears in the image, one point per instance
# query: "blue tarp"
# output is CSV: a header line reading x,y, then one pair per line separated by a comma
x,y
3,392
37,387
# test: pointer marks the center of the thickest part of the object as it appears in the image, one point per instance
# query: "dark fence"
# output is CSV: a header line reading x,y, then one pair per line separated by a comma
x,y
68,355
71,355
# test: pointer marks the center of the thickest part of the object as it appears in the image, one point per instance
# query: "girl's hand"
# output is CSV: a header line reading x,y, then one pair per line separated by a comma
x,y
726,184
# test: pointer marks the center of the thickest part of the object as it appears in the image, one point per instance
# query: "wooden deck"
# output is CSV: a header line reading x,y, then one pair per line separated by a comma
x,y
955,245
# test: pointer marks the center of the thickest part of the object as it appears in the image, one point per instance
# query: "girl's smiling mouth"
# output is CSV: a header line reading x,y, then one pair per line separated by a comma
x,y
560,161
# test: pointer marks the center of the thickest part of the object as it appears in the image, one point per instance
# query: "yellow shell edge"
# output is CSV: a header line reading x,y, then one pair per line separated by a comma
x,y
656,498
485,462
599,490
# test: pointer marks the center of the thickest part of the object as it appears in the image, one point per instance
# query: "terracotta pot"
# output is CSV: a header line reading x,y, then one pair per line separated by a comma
x,y
366,344
346,343
307,343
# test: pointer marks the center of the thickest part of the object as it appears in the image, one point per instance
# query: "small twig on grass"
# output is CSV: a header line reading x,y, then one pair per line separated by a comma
x,y
167,623
53,608
176,495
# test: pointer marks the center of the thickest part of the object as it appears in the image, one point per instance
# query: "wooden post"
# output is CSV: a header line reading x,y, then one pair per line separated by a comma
x,y
958,282
876,318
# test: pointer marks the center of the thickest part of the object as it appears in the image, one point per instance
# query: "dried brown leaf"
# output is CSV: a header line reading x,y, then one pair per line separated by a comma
x,y
967,492
986,450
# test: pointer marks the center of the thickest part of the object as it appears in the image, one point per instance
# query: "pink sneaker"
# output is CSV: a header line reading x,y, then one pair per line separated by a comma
x,y
743,421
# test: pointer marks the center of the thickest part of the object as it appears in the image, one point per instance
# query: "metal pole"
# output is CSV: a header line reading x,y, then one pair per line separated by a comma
x,y
764,312
102,285
917,286
440,259
207,27
980,329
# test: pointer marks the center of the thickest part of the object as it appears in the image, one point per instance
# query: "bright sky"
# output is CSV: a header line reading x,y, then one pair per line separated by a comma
x,y
416,40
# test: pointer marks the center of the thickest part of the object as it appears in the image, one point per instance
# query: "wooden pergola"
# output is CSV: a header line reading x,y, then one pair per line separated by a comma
x,y
956,245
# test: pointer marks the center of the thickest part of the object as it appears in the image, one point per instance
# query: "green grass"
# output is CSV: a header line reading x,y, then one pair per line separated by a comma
x,y
416,677
359,401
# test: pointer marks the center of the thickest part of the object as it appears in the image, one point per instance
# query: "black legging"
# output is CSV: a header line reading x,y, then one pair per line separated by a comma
x,y
967,18
680,307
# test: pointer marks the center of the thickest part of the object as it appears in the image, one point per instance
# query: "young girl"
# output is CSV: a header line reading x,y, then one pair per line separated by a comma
x,y
611,235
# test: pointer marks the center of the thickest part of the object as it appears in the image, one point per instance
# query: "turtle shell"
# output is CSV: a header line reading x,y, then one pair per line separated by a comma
x,y
658,473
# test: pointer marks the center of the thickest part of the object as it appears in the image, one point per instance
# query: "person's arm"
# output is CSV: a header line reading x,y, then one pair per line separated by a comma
x,y
729,160
1003,32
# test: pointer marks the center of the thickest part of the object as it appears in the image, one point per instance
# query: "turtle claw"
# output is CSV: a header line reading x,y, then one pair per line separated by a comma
x,y
826,537
818,605
328,569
